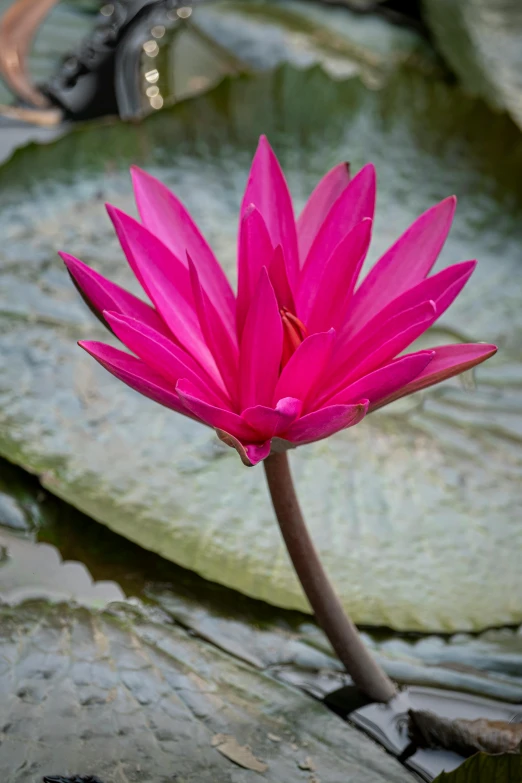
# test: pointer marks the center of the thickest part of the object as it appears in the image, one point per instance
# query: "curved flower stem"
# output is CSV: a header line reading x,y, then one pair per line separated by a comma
x,y
341,632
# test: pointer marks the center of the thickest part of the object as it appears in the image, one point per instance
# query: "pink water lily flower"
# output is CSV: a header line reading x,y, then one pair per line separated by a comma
x,y
305,348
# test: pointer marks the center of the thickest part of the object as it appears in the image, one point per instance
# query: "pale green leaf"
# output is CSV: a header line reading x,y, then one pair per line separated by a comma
x,y
415,511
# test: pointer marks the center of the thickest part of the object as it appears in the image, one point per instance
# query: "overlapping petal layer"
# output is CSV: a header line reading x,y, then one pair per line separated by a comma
x,y
305,349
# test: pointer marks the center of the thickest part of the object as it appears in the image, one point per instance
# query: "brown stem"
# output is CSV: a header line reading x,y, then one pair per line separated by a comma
x,y
338,627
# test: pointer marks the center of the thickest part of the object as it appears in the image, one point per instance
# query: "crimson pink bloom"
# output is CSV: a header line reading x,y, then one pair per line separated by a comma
x,y
305,349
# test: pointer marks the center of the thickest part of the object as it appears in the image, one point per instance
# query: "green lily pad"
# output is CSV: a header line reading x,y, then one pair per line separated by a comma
x,y
96,562
486,769
266,33
415,511
481,41
125,695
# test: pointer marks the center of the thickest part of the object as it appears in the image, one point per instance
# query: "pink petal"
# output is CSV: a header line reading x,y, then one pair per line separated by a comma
x,y
223,347
166,217
305,367
355,203
406,263
167,282
251,453
441,288
325,422
164,356
255,251
148,257
271,421
101,294
213,415
267,190
384,381
379,349
450,283
277,272
261,347
448,360
324,196
325,292
136,374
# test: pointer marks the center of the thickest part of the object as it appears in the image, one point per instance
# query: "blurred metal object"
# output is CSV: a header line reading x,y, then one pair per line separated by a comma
x,y
139,41
96,80
106,75
84,85
17,29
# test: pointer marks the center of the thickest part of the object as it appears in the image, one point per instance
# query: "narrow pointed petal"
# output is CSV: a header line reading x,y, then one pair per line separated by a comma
x,y
375,351
303,372
450,285
324,196
251,453
448,360
326,290
255,252
267,189
166,217
261,347
150,260
402,331
325,422
213,415
135,374
222,345
101,294
385,381
406,263
442,288
164,356
167,283
355,203
269,422
277,273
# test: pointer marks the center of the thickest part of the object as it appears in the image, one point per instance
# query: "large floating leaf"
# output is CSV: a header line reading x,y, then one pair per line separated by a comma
x,y
481,40
286,643
261,34
74,654
123,695
416,510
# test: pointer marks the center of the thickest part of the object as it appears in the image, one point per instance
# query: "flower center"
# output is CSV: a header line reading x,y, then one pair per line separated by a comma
x,y
294,332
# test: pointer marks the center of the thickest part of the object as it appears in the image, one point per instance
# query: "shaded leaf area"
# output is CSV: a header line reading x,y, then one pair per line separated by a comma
x,y
486,769
73,779
126,694
480,40
415,511
233,35
99,566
